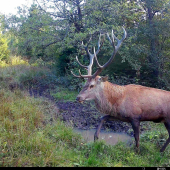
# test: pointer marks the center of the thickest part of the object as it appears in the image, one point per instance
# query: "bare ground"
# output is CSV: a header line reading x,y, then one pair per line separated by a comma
x,y
86,116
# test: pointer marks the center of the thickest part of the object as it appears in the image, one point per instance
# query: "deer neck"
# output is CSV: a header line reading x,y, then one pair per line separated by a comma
x,y
113,92
108,96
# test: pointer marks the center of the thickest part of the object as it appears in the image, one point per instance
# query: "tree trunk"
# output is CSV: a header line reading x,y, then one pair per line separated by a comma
x,y
153,57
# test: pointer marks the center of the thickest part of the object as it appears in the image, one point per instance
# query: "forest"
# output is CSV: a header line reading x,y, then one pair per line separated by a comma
x,y
51,33
38,49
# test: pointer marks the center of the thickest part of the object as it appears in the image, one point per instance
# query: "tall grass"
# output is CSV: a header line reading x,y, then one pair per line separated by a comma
x,y
27,138
25,76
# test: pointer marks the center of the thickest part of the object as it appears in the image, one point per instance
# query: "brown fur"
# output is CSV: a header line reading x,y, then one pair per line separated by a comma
x,y
135,101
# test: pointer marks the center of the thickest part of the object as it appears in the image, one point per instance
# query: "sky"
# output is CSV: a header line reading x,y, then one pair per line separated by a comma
x,y
10,6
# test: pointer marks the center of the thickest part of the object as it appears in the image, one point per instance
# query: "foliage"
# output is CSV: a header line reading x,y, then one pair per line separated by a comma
x,y
20,74
4,52
31,39
53,31
15,60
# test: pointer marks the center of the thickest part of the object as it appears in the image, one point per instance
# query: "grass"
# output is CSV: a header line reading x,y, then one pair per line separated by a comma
x,y
64,94
32,134
27,137
26,76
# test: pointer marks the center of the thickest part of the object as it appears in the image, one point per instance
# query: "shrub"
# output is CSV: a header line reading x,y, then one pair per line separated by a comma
x,y
27,77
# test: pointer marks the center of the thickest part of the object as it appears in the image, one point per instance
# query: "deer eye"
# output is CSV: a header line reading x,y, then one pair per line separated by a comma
x,y
91,86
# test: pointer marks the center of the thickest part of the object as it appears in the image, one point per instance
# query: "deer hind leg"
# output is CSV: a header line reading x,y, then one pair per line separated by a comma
x,y
167,125
104,118
135,126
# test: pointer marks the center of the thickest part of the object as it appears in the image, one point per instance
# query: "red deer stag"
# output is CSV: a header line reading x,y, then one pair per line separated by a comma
x,y
130,103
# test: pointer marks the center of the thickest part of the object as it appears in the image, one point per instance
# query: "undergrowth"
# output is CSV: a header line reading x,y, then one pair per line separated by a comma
x,y
25,76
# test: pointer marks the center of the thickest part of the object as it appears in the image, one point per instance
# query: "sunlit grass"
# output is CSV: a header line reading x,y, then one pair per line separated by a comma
x,y
15,60
21,74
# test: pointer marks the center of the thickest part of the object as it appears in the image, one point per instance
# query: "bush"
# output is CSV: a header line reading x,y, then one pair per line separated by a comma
x,y
36,77
70,82
27,77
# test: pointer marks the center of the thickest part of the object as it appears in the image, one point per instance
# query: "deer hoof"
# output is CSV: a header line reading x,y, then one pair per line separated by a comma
x,y
137,149
95,137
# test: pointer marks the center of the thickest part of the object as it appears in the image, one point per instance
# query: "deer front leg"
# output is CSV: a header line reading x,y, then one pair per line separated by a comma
x,y
135,125
96,135
167,125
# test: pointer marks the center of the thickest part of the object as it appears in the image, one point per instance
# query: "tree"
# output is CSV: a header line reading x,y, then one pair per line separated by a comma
x,y
4,52
33,32
53,30
70,23
151,34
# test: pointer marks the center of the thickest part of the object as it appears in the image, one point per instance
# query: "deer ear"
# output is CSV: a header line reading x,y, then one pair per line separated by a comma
x,y
104,78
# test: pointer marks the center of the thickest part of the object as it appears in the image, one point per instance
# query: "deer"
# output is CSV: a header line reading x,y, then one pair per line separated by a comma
x,y
128,103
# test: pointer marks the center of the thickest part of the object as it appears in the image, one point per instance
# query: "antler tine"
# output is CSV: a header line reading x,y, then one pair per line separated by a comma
x,y
86,47
95,56
75,75
114,37
100,45
88,42
119,42
125,33
92,56
86,67
80,75
111,41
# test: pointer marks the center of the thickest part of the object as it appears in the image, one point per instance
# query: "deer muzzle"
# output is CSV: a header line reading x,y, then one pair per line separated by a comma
x,y
79,99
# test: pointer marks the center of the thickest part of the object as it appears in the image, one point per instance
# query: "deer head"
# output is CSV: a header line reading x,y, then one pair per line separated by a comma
x,y
94,83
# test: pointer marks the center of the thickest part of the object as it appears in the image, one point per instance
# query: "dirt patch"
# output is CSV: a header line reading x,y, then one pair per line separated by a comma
x,y
86,116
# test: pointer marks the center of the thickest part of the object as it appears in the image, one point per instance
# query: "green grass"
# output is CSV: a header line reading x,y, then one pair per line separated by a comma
x,y
64,94
27,136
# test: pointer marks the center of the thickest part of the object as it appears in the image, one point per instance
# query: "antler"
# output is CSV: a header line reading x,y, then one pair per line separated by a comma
x,y
92,56
119,42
